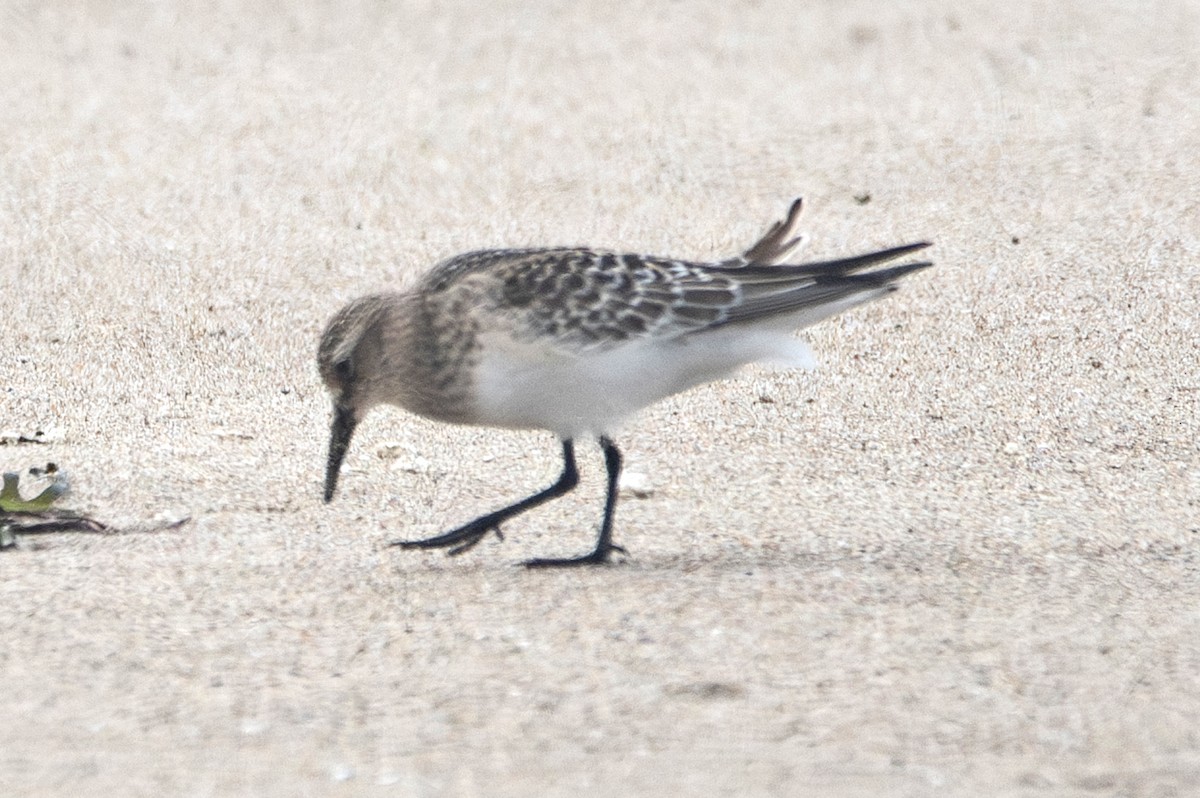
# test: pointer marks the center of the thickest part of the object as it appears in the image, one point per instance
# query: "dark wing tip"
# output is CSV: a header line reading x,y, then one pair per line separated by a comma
x,y
859,263
888,276
903,249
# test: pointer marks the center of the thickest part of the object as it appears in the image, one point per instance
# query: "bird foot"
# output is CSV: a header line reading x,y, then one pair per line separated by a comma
x,y
459,541
598,557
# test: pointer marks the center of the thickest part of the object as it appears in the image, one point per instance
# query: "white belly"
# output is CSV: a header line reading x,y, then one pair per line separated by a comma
x,y
522,385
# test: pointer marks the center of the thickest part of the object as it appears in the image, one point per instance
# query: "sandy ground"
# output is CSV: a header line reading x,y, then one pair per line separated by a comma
x,y
958,559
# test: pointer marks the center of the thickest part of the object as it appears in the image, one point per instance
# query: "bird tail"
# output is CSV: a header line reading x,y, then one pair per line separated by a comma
x,y
809,292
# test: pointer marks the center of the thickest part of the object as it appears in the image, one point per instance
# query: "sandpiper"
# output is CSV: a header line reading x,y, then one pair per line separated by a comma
x,y
575,340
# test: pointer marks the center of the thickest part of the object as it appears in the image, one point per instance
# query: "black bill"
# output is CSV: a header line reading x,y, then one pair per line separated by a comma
x,y
339,441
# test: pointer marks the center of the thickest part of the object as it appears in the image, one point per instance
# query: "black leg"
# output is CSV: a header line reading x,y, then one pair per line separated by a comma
x,y
604,544
466,536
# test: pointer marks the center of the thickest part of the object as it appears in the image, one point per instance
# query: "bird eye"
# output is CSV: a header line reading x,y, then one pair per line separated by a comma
x,y
343,370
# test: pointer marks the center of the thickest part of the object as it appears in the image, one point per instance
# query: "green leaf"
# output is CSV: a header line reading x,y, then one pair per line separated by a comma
x,y
11,501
